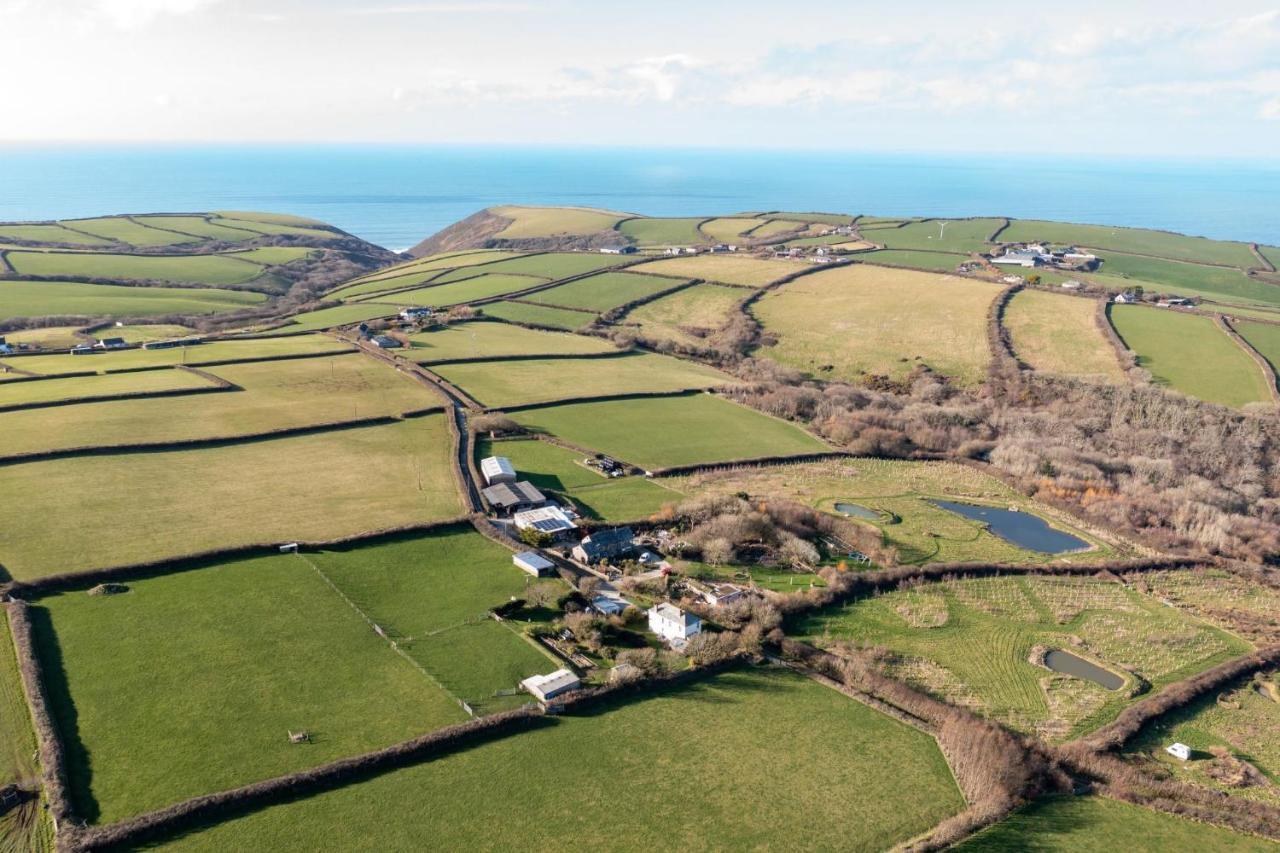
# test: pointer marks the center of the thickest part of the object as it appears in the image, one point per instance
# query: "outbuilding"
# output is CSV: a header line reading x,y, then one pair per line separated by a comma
x,y
533,563
1180,751
549,686
497,469
551,520
510,497
385,342
673,624
412,315
112,343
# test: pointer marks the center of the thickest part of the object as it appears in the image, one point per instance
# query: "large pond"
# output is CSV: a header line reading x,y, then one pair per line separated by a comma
x,y
857,511
1021,528
1069,664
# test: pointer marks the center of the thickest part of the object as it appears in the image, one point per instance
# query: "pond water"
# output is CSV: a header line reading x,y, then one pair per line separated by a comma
x,y
857,511
1021,528
1069,664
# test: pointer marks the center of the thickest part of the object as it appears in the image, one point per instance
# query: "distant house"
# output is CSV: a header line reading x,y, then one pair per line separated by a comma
x,y
1125,299
605,545
549,686
112,343
497,469
618,250
533,563
718,594
1180,751
552,520
413,315
673,624
510,497
1072,284
384,342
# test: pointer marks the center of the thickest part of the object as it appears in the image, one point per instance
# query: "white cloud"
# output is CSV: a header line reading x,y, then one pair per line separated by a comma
x,y
130,14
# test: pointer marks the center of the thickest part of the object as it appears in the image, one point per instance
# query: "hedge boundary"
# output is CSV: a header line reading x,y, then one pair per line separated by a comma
x,y
223,387
1268,372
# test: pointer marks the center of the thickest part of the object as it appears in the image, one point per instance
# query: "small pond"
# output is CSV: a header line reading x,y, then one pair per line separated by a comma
x,y
1069,664
857,511
1021,528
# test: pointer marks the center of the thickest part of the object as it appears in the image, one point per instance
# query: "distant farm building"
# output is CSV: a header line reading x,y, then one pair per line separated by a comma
x,y
605,545
1180,751
510,497
173,343
549,686
1126,298
385,342
606,606
718,594
497,469
551,520
112,343
673,624
83,349
1072,284
533,563
618,250
1019,258
413,315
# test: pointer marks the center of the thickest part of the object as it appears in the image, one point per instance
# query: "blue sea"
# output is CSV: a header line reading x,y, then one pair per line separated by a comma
x,y
396,195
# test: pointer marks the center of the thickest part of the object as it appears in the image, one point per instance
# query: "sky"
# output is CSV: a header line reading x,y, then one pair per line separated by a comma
x,y
1135,79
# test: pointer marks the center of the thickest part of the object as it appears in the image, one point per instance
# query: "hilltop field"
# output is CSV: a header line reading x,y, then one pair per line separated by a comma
x,y
922,539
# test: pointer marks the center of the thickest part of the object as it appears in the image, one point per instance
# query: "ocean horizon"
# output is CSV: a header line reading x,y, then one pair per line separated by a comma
x,y
395,195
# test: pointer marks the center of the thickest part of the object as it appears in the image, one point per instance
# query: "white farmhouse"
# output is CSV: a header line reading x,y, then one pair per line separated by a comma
x,y
673,624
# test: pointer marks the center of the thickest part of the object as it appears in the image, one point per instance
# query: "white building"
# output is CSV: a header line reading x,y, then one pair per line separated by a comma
x,y
411,315
497,469
1125,299
718,594
552,520
673,624
549,686
1180,751
533,563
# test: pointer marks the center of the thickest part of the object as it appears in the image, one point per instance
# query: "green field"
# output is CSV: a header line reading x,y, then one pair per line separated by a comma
x,y
667,431
729,228
774,227
1188,279
50,337
553,221
1137,240
558,469
200,226
879,782
429,264
940,261
1264,337
606,290
136,334
366,288
550,265
730,269
900,492
273,226
272,255
1271,253
107,361
339,315
662,232
75,299
48,233
126,230
823,218
17,739
497,384
854,321
539,315
962,236
969,641
1189,353
276,395
190,683
132,507
1059,334
76,387
679,316
203,269
480,287
497,340
1097,825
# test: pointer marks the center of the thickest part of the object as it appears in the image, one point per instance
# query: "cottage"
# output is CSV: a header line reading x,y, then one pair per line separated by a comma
x,y
384,342
1180,751
549,686
112,343
510,497
416,314
1125,298
552,520
673,624
533,563
603,545
718,594
497,469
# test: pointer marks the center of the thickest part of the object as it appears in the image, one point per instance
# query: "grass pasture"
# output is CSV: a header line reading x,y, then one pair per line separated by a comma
x,y
75,387
880,782
558,469
124,229
76,299
277,395
136,334
498,384
374,287
429,264
1139,241
49,337
199,226
1060,334
17,738
666,431
202,269
730,228
1189,353
275,225
775,227
1264,337
605,290
972,643
961,236
109,361
729,269
190,682
553,221
48,232
339,315
134,507
663,232
918,259
459,292
1186,279
548,265
857,320
482,339
538,315
679,316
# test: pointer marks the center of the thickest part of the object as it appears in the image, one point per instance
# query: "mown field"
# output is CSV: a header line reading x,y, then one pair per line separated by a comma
x,y
516,383
558,469
1264,337
48,233
76,299
1139,241
49,337
339,315
1059,334
730,269
429,264
458,292
549,265
730,228
969,642
666,431
538,315
1099,825
77,387
962,236
204,269
678,316
1186,279
854,321
551,221
190,683
133,507
277,395
17,738
606,290
496,340
879,782
150,332
659,232
224,350
940,261
1189,353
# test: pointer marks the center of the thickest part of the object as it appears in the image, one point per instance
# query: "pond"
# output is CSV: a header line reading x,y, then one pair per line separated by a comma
x,y
857,511
1021,528
1069,664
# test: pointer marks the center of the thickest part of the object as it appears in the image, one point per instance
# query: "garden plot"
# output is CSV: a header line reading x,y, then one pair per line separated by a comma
x,y
191,683
497,340
135,507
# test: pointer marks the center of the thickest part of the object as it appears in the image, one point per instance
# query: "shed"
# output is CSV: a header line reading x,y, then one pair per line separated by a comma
x,y
385,342
553,684
112,343
533,563
1180,751
497,469
507,497
673,624
606,606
